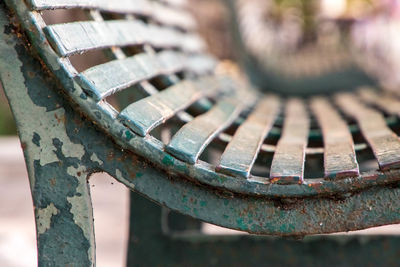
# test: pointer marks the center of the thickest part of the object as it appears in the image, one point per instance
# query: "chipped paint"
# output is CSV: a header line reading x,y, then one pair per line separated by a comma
x,y
44,216
96,159
72,140
80,201
54,128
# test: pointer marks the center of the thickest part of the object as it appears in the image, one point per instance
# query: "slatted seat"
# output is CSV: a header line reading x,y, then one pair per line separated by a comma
x,y
185,132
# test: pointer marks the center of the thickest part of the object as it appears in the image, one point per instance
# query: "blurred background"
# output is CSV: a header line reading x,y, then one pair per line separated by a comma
x,y
298,41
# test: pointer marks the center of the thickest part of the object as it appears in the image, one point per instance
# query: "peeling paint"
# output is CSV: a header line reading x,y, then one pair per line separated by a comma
x,y
79,202
96,159
54,128
44,218
118,175
81,205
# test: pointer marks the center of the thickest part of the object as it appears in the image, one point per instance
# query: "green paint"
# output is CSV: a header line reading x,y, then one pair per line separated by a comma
x,y
241,224
168,160
128,135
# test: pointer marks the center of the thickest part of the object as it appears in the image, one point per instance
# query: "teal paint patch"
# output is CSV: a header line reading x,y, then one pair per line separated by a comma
x,y
203,203
83,96
128,135
168,160
287,228
240,224
36,139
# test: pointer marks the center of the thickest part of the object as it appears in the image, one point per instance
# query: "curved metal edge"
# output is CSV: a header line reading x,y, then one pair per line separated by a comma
x,y
153,149
70,138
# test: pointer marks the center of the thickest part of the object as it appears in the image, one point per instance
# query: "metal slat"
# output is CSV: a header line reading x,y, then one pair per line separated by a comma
x,y
77,37
288,161
161,13
103,80
188,143
386,101
201,63
339,155
146,114
171,16
384,143
242,150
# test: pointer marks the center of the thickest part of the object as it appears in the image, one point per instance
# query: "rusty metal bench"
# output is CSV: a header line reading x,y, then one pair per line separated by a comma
x,y
191,138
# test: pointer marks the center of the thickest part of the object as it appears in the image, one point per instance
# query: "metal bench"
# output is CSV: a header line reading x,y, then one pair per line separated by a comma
x,y
190,137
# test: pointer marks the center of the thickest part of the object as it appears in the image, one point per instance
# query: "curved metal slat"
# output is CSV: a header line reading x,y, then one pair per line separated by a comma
x,y
339,154
385,101
188,143
146,114
157,11
384,143
77,37
242,150
288,161
106,79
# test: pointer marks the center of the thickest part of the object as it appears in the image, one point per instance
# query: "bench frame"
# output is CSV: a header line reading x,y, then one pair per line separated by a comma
x,y
62,148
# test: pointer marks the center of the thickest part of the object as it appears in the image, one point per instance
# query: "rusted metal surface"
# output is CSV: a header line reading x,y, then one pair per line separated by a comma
x,y
339,155
386,101
383,141
57,169
188,247
153,150
151,9
78,37
106,79
64,144
288,163
78,140
242,150
188,143
252,205
146,114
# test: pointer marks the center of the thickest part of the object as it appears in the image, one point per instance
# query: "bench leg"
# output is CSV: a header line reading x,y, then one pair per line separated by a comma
x,y
63,213
58,178
149,245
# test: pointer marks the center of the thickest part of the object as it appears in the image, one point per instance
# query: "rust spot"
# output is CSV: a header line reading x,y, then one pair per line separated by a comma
x,y
31,74
372,177
274,180
23,145
59,119
53,181
110,156
79,173
317,187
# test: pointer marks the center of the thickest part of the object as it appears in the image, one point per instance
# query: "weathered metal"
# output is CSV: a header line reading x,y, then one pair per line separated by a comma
x,y
160,13
288,163
67,135
78,37
186,246
152,149
146,114
190,141
383,141
339,155
241,152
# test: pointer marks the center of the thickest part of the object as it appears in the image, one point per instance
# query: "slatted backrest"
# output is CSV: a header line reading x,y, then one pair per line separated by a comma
x,y
208,125
162,32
